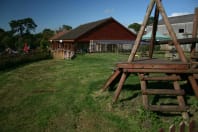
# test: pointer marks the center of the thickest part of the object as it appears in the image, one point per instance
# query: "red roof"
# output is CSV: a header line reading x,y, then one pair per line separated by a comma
x,y
59,34
105,29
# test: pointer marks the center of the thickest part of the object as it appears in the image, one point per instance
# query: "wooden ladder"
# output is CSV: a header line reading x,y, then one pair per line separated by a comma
x,y
177,91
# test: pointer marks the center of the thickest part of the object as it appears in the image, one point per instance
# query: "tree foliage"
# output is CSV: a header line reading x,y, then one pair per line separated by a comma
x,y
44,41
135,26
22,32
64,27
6,40
22,26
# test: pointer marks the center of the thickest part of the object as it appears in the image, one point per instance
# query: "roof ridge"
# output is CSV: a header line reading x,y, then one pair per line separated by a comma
x,y
92,22
84,28
178,19
181,15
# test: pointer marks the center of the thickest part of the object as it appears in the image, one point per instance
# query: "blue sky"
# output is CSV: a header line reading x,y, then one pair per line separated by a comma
x,y
54,13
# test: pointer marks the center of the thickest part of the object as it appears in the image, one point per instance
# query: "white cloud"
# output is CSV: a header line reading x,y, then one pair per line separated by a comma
x,y
178,14
108,11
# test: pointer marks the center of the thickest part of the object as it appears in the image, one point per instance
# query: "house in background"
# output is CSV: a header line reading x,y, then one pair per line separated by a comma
x,y
106,35
182,25
56,47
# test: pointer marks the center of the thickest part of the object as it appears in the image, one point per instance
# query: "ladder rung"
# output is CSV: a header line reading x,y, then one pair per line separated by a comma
x,y
168,108
165,78
163,91
194,57
194,62
195,76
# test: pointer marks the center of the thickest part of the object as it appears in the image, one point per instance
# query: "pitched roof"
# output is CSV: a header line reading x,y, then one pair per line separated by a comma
x,y
178,19
83,29
57,35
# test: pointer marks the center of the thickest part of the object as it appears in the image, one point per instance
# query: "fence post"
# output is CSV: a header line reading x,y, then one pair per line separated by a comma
x,y
161,130
192,126
172,128
182,127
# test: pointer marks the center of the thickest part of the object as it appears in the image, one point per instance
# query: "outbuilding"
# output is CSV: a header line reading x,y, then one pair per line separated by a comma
x,y
104,35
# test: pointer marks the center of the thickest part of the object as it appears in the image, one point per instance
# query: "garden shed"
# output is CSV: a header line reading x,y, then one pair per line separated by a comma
x,y
106,35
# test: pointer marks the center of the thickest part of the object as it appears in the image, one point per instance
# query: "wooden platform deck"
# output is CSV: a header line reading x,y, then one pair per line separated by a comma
x,y
156,66
173,71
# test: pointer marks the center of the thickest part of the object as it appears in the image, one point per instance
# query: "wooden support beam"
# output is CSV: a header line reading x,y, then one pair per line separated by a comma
x,y
111,79
182,127
119,88
172,128
194,32
156,71
194,85
181,41
144,88
162,92
141,32
168,108
155,64
161,78
195,76
180,99
171,31
192,126
153,37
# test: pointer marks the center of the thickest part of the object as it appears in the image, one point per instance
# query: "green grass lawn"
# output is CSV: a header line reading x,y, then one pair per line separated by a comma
x,y
64,95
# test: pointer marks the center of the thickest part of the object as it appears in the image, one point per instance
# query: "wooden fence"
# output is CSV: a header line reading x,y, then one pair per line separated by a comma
x,y
182,128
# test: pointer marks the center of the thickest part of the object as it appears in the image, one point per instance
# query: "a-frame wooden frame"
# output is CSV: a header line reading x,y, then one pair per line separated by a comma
x,y
173,70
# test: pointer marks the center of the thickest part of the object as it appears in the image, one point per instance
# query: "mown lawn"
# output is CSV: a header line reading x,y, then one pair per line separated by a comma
x,y
64,95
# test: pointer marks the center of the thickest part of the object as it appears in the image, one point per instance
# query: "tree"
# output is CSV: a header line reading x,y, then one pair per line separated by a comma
x,y
2,34
6,40
64,27
22,26
67,27
21,31
46,34
135,26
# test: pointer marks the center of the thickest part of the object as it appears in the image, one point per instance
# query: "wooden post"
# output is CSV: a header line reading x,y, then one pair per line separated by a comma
x,y
194,32
182,127
161,130
172,128
111,79
141,32
153,37
192,126
171,31
194,85
180,99
134,49
119,88
143,88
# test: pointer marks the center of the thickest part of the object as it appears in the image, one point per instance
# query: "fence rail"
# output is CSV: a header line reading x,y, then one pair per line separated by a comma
x,y
182,127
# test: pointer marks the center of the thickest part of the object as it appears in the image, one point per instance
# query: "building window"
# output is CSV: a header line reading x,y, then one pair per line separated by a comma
x,y
181,30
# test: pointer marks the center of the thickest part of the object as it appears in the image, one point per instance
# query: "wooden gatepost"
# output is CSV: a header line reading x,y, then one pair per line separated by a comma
x,y
169,71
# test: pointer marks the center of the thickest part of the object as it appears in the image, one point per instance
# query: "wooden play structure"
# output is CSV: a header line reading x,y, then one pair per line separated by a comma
x,y
152,69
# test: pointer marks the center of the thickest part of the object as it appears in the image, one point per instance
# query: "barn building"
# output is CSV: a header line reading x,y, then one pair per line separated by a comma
x,y
106,35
